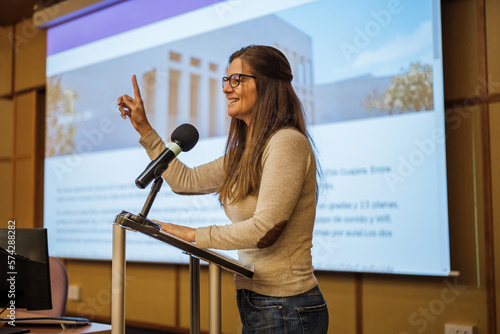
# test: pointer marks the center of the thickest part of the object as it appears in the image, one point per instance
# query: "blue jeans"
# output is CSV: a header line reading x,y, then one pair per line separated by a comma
x,y
304,313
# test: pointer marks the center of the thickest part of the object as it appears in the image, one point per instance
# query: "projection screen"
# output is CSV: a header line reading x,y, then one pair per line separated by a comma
x,y
368,73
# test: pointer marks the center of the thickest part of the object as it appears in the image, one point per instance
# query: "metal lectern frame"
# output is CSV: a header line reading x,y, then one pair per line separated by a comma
x,y
126,220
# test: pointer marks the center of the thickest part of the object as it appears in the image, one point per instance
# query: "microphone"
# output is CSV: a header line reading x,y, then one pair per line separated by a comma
x,y
184,138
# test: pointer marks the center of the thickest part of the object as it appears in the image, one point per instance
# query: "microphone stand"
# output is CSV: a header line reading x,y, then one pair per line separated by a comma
x,y
155,188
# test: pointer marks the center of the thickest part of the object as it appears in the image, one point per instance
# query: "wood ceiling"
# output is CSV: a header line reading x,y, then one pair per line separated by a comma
x,y
13,11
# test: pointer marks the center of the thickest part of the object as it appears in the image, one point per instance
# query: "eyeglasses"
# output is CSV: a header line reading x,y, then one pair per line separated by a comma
x,y
234,79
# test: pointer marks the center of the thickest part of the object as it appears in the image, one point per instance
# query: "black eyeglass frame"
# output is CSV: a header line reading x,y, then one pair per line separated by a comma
x,y
228,79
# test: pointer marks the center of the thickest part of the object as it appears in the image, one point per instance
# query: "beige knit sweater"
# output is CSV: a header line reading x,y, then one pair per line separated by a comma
x,y
271,230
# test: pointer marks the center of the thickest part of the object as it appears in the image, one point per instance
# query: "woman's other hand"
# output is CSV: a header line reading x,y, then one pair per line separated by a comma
x,y
183,232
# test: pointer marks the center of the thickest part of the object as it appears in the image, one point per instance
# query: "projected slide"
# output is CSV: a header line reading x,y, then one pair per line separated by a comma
x,y
368,73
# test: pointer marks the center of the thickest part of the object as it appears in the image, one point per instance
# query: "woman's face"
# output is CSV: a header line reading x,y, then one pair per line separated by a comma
x,y
241,98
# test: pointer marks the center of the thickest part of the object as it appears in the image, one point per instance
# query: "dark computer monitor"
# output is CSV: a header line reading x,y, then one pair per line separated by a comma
x,y
24,269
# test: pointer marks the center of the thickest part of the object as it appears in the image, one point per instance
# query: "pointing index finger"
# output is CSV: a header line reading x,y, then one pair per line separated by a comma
x,y
137,93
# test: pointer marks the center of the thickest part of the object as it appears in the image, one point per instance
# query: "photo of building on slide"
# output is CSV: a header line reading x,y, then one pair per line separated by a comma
x,y
381,66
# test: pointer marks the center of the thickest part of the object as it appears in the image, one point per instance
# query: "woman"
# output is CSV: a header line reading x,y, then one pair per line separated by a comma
x,y
267,186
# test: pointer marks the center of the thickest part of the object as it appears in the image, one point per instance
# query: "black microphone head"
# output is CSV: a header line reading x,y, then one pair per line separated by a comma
x,y
186,136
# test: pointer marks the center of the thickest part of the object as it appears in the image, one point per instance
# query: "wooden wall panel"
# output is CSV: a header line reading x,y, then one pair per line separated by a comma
x,y
339,291
405,305
154,302
30,56
6,193
24,109
5,60
229,308
464,190
493,44
24,193
495,185
6,165
459,48
6,128
95,279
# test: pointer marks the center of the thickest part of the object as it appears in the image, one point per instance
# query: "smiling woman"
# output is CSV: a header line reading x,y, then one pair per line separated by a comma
x,y
268,192
241,91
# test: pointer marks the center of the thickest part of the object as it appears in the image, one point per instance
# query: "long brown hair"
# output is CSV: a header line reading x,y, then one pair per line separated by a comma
x,y
277,106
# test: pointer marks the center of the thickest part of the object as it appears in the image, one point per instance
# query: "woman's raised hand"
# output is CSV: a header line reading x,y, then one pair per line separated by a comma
x,y
134,109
